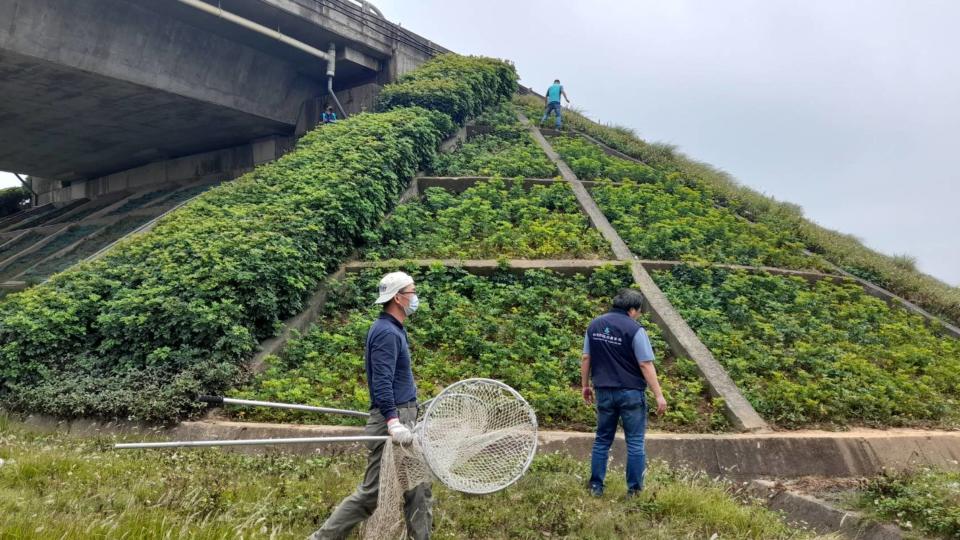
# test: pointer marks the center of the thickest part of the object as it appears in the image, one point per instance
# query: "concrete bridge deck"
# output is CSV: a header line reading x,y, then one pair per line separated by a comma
x,y
95,87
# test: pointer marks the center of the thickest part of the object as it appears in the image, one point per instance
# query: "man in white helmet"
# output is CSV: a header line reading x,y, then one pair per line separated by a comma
x,y
393,410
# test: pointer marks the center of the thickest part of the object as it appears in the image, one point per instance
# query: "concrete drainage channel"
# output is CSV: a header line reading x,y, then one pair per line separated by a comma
x,y
736,456
818,515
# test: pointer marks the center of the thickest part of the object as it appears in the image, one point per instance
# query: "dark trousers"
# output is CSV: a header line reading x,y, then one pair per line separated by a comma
x,y
418,502
630,407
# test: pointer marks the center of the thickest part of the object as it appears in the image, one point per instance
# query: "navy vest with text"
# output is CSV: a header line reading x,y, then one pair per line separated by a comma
x,y
612,361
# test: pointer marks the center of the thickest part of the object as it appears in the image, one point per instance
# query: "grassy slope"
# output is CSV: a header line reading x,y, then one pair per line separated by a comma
x,y
53,487
896,273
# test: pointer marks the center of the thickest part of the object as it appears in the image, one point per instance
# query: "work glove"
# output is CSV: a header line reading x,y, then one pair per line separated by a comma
x,y
399,433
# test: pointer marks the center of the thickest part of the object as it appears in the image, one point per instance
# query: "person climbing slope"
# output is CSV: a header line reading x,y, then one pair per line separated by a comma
x,y
552,102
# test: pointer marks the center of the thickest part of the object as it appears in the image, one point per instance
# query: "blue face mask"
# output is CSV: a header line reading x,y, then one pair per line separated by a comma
x,y
414,304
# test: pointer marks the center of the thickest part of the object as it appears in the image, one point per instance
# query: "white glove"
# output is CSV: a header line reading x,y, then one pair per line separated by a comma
x,y
400,433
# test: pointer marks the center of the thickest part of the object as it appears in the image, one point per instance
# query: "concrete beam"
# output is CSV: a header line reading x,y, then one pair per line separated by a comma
x,y
50,236
681,338
487,267
298,323
13,286
606,149
349,54
586,202
685,342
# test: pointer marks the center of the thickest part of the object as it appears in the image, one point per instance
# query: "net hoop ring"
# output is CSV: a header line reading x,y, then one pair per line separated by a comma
x,y
457,389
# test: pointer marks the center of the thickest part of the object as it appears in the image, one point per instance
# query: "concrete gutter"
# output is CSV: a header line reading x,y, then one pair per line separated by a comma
x,y
681,338
810,512
738,456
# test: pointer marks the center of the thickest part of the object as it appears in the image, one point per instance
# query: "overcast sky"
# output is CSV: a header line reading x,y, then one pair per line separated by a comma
x,y
848,108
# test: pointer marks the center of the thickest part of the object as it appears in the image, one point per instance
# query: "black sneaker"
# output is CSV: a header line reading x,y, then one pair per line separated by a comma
x,y
596,491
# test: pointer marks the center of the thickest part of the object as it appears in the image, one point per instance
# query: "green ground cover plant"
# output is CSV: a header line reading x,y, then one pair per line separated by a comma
x,y
844,250
526,330
669,220
59,487
925,501
507,149
492,219
460,87
177,311
820,355
589,162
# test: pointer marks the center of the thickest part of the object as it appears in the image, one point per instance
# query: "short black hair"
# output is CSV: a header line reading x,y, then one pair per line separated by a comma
x,y
627,299
556,80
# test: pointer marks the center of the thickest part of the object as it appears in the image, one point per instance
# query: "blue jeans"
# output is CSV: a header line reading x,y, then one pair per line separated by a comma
x,y
629,406
555,107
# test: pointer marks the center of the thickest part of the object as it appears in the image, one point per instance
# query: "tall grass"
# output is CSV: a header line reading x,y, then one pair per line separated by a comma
x,y
896,273
54,487
925,500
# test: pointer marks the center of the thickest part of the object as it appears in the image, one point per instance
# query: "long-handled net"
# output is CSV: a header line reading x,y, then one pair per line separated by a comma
x,y
477,436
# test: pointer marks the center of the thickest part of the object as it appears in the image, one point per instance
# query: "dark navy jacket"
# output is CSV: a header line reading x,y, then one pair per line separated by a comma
x,y
616,345
387,360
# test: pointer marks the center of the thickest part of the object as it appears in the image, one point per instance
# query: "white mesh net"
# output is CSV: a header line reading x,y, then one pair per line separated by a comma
x,y
477,436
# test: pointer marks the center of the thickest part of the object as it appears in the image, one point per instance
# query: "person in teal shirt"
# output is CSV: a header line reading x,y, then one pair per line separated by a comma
x,y
328,116
553,102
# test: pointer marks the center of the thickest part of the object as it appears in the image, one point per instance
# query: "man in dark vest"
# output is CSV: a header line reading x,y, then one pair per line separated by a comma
x,y
618,358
